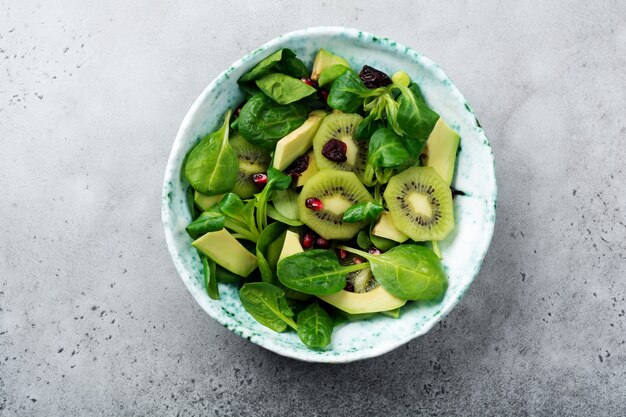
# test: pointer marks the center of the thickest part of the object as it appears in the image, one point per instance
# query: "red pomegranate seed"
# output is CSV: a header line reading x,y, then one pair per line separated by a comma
x,y
310,82
307,240
374,251
357,260
322,243
259,179
323,94
314,204
342,254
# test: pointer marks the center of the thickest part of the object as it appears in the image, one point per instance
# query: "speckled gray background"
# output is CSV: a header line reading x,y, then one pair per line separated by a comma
x,y
94,319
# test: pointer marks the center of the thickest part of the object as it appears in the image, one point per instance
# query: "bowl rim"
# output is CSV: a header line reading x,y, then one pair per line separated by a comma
x,y
351,34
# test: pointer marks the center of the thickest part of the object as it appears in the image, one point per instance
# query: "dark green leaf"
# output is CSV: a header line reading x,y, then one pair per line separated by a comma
x,y
264,66
208,221
225,276
386,149
190,202
284,89
232,206
330,74
263,122
267,304
210,278
268,236
363,240
315,272
211,167
347,93
368,126
415,118
278,180
364,211
291,65
315,326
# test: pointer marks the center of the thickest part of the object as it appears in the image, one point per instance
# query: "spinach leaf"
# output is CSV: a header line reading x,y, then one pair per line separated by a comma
x,y
410,272
225,276
386,150
272,213
364,211
315,272
330,74
415,118
363,240
232,206
276,180
208,221
190,203
368,126
267,237
263,122
291,65
210,278
286,203
267,304
211,167
284,89
348,92
315,326
264,66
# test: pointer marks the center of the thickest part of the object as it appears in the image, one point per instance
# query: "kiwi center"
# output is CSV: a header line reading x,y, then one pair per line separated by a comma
x,y
336,204
420,204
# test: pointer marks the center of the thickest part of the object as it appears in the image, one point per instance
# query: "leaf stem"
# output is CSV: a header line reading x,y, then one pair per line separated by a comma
x,y
356,252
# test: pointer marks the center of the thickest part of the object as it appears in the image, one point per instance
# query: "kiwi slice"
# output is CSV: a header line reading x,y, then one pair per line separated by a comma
x,y
340,127
252,160
325,198
420,203
362,281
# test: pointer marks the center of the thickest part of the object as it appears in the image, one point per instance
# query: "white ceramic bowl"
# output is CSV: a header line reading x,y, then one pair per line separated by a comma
x,y
463,250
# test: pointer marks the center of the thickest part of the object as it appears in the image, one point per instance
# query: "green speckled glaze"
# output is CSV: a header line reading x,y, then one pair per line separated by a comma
x,y
463,250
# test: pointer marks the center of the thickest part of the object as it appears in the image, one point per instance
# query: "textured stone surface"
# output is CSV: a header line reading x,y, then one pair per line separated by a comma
x,y
94,320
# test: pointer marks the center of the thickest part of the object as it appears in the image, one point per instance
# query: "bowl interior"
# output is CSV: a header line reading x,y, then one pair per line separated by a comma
x,y
463,250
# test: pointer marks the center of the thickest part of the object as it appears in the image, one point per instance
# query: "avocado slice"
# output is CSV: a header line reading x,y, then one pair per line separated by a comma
x,y
206,201
374,301
227,252
310,170
291,246
296,143
325,59
440,150
384,228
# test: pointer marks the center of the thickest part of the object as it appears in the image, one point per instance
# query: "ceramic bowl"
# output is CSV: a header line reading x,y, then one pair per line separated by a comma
x,y
463,250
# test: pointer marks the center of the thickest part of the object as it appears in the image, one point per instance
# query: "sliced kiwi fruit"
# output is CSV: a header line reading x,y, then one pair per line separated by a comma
x,y
252,160
420,203
325,198
362,281
342,127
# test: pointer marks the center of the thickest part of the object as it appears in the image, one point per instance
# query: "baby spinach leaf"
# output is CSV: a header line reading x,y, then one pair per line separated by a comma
x,y
208,221
315,272
267,304
368,126
263,122
363,240
190,203
415,118
291,65
210,278
315,326
225,276
410,272
276,180
263,67
232,206
211,167
272,213
284,89
364,211
348,92
286,203
330,74
266,238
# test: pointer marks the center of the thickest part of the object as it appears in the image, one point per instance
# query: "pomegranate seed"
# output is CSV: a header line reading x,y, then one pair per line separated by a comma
x,y
322,243
314,204
342,254
349,287
374,251
322,93
259,179
335,150
310,82
357,260
238,109
307,240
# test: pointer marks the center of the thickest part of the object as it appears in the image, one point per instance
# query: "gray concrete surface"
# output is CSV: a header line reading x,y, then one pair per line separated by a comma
x,y
94,320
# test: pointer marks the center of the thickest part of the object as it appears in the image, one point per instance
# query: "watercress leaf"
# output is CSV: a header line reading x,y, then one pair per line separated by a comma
x,y
263,67
415,118
347,93
232,206
266,303
210,278
263,122
315,272
272,213
225,276
315,326
286,203
268,236
208,221
410,272
284,89
330,74
363,240
386,149
211,167
277,180
364,211
368,126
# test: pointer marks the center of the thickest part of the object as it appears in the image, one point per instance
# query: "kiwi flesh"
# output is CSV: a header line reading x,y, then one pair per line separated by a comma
x,y
337,191
252,160
362,281
420,203
341,126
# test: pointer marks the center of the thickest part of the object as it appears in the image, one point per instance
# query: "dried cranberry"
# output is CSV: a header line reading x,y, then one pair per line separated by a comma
x,y
322,243
335,150
310,82
349,287
322,93
374,251
373,78
298,166
314,204
259,179
342,254
307,240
